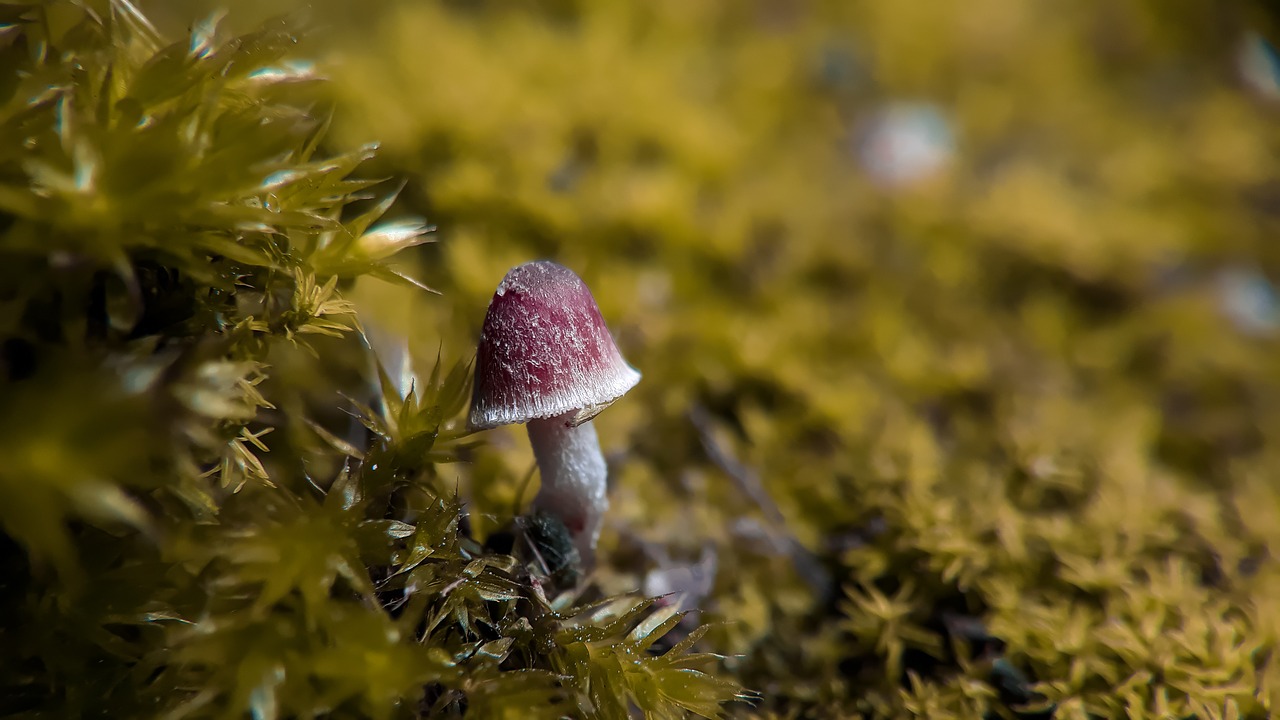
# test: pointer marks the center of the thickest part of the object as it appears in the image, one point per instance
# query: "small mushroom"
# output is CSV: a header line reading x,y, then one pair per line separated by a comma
x,y
546,359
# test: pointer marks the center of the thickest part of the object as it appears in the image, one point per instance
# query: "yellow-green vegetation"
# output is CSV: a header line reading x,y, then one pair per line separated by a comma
x,y
997,437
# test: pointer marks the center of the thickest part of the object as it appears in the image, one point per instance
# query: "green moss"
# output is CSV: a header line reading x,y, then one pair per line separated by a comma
x,y
1000,409
217,503
987,443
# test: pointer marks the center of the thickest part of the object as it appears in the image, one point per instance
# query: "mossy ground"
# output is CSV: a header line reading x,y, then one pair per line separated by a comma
x,y
998,437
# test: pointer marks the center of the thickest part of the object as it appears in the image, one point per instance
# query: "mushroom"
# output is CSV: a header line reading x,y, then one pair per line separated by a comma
x,y
546,359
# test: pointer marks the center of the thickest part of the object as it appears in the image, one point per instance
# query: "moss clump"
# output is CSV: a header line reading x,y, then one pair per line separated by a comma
x,y
990,433
214,501
1005,402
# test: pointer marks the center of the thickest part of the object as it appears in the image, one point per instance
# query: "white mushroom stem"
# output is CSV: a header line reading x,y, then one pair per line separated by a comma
x,y
574,477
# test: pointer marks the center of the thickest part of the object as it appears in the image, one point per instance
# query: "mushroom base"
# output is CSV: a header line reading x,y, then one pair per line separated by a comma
x,y
574,477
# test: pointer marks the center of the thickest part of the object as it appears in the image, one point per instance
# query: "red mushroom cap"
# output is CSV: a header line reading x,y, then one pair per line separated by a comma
x,y
545,351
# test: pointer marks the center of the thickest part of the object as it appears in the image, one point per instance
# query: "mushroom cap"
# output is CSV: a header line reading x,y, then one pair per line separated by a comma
x,y
545,351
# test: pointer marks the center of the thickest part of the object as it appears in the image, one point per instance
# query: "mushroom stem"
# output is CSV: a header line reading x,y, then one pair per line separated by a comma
x,y
574,477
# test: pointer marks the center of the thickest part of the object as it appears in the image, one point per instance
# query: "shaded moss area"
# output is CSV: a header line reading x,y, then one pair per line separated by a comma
x,y
956,324
216,502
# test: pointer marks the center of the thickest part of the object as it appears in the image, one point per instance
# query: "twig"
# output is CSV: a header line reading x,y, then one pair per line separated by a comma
x,y
748,482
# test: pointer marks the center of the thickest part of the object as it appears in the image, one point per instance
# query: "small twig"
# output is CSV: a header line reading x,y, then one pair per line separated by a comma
x,y
524,485
452,586
542,562
748,482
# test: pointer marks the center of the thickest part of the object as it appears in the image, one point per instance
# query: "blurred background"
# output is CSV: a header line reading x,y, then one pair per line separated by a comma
x,y
947,313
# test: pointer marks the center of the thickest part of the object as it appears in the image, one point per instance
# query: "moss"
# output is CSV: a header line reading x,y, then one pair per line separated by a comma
x,y
1001,409
216,502
991,435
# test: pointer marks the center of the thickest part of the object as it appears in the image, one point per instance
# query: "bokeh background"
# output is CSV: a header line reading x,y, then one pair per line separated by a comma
x,y
956,320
